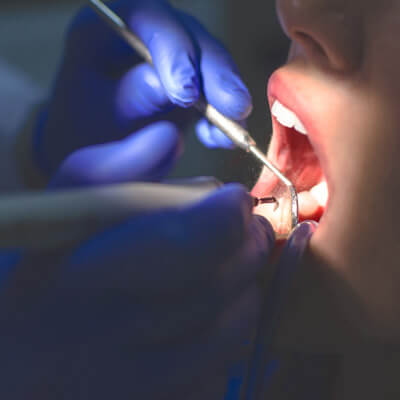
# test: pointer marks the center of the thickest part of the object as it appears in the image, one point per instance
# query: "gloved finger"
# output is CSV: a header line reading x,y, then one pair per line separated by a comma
x,y
167,253
140,94
146,155
222,85
92,42
211,136
171,47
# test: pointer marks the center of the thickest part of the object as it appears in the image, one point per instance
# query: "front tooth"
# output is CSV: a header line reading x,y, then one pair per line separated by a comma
x,y
283,115
300,128
287,117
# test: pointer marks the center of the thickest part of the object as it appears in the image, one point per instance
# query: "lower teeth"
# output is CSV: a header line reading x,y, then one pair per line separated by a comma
x,y
320,193
310,201
308,205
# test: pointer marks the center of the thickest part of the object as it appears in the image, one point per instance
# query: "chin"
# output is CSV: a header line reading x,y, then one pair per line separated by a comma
x,y
297,151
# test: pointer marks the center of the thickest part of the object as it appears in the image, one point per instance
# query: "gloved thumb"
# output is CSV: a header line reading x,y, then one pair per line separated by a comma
x,y
146,155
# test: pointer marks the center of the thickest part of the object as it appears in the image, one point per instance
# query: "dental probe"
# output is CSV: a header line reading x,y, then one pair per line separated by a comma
x,y
234,131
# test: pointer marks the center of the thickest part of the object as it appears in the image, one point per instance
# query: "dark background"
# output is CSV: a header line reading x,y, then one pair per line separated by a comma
x,y
31,39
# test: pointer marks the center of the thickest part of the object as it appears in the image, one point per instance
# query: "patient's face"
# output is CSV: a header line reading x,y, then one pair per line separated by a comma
x,y
341,86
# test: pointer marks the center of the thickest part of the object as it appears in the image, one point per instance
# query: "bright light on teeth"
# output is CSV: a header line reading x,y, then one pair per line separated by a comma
x,y
287,117
320,193
311,201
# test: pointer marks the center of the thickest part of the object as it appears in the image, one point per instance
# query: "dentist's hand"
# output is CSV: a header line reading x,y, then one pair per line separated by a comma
x,y
159,307
104,93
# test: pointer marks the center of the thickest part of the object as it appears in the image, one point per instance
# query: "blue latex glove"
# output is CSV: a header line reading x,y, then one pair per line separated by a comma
x,y
157,308
104,94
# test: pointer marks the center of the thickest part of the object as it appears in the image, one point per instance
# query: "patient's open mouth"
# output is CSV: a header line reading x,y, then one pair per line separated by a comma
x,y
292,151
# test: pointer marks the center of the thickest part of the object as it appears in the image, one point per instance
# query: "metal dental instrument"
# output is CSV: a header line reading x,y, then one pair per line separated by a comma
x,y
264,200
234,131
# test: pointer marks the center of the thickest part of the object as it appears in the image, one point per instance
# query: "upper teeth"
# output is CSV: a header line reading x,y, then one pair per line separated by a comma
x,y
287,117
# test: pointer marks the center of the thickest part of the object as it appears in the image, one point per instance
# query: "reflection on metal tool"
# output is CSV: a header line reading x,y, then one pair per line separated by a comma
x,y
266,200
234,131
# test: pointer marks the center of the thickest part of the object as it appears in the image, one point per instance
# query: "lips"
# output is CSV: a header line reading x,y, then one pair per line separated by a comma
x,y
295,148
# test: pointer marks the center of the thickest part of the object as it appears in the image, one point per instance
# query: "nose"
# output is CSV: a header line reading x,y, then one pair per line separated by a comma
x,y
326,31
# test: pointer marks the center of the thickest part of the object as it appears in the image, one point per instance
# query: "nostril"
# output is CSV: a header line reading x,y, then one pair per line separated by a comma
x,y
329,33
335,54
309,42
311,46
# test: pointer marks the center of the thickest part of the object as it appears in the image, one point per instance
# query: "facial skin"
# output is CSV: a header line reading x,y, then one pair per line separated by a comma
x,y
342,81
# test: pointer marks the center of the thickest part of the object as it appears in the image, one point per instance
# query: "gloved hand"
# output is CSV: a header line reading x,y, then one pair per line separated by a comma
x,y
266,366
156,308
105,94
160,306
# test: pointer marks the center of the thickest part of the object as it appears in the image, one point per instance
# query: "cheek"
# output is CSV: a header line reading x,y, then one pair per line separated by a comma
x,y
350,125
363,144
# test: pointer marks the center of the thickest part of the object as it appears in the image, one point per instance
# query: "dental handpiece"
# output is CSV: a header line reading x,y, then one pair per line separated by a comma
x,y
66,217
234,131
